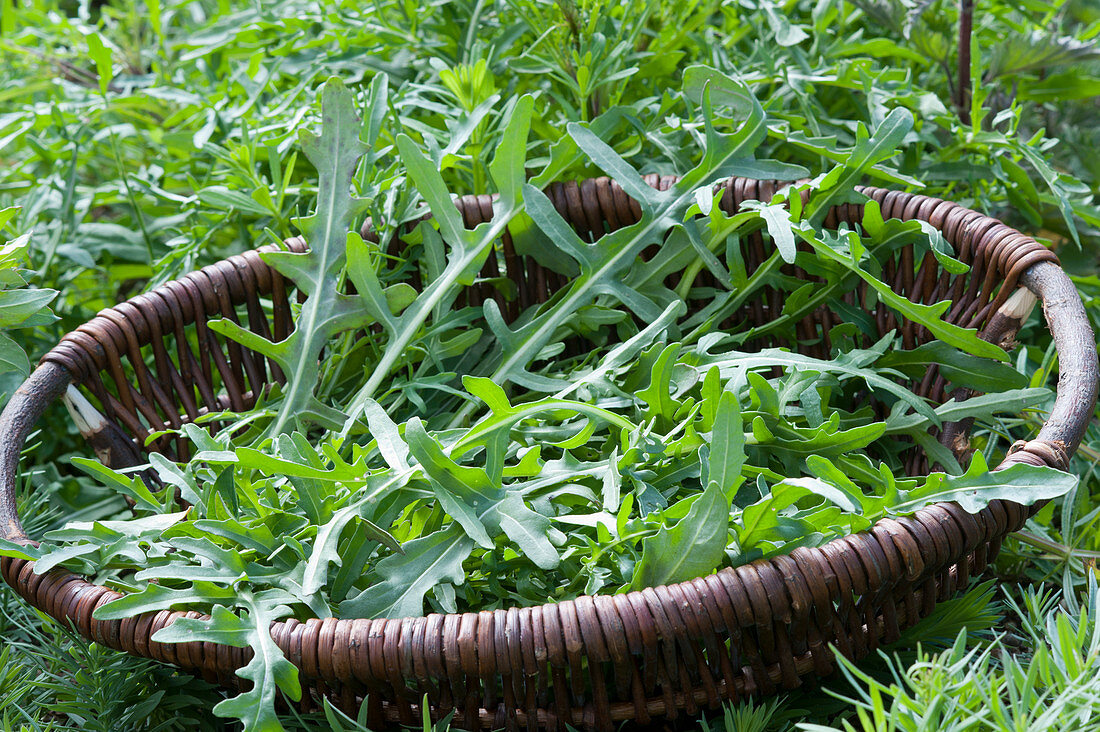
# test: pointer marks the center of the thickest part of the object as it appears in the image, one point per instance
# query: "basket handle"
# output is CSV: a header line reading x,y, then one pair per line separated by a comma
x,y
1078,371
47,383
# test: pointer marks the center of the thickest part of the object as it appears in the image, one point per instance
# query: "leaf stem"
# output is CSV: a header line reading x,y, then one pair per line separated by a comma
x,y
425,304
966,25
130,195
489,425
1059,550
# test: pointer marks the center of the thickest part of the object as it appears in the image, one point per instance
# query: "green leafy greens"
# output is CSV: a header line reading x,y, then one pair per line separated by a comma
x,y
635,429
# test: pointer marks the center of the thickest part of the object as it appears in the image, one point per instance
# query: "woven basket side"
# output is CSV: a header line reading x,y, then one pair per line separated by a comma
x,y
152,363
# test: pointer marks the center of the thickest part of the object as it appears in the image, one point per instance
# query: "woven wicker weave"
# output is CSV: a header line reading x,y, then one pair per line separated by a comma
x,y
152,363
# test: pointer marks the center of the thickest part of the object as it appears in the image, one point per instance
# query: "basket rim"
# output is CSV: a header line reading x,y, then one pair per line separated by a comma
x,y
899,548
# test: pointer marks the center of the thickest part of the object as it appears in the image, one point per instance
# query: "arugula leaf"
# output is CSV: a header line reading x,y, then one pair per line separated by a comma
x,y
837,186
691,548
957,366
404,579
848,365
726,457
268,670
335,153
1020,483
469,248
930,316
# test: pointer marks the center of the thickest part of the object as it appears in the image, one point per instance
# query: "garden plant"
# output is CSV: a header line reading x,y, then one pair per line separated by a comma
x,y
681,334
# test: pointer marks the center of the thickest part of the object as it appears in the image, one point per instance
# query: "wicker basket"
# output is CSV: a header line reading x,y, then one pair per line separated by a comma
x,y
152,363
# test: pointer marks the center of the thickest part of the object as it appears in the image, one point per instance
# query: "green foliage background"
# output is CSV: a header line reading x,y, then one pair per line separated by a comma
x,y
141,141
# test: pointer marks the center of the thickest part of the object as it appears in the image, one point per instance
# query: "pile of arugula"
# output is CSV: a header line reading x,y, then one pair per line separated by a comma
x,y
455,461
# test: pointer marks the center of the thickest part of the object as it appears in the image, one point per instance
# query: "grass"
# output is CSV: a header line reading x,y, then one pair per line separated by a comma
x,y
1038,675
139,141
